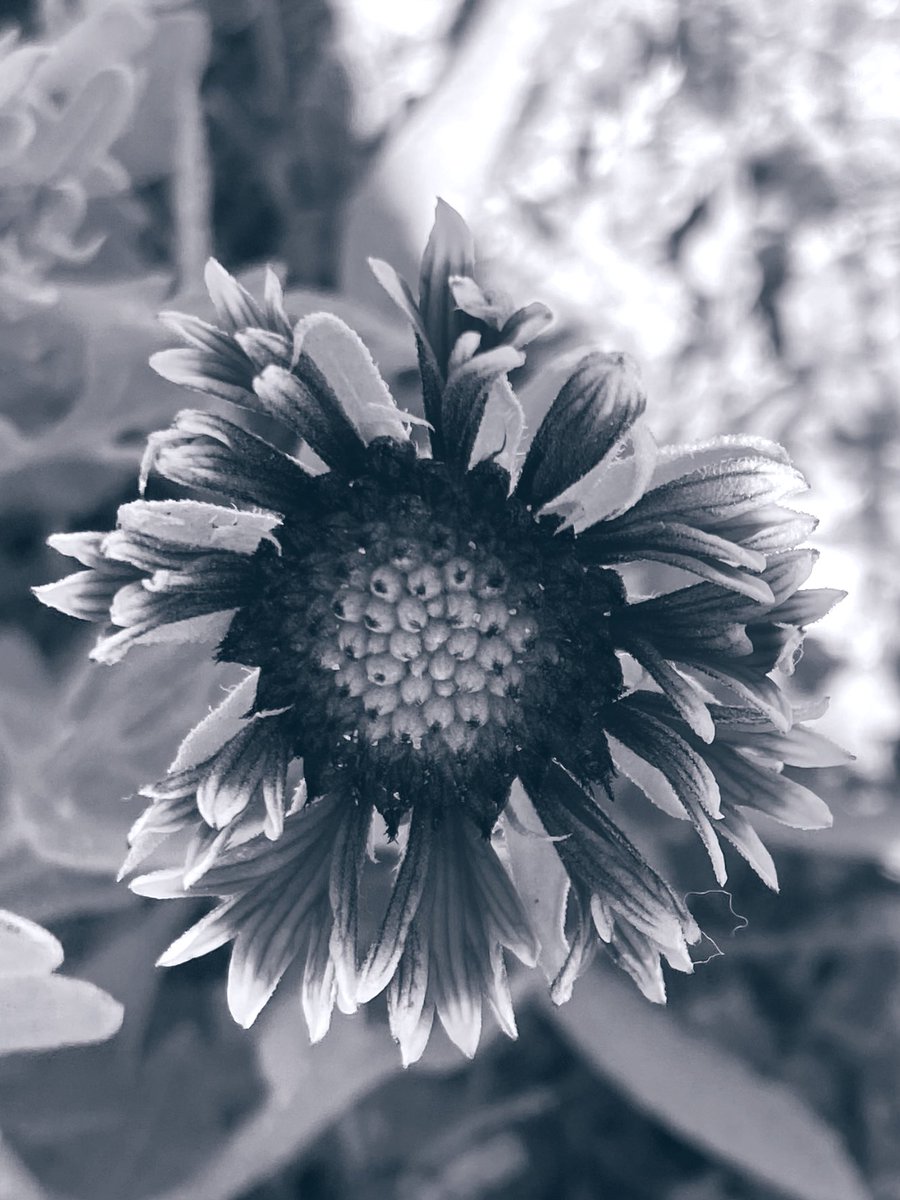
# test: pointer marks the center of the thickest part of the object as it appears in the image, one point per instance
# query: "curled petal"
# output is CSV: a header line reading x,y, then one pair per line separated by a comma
x,y
466,396
587,421
350,370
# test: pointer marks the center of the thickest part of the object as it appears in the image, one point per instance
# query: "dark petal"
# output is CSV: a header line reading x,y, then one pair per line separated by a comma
x,y
302,400
202,450
636,722
596,853
683,693
701,553
450,251
593,412
409,887
582,945
432,393
343,890
465,399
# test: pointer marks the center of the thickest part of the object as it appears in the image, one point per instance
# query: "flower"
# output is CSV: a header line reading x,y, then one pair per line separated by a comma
x,y
443,634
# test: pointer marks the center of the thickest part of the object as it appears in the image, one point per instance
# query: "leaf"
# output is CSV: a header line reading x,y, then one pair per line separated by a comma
x,y
44,1012
707,1096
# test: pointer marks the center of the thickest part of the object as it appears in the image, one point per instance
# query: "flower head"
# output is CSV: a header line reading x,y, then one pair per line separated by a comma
x,y
432,631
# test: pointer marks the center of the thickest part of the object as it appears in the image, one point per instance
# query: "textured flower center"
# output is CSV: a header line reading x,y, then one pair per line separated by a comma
x,y
426,633
430,640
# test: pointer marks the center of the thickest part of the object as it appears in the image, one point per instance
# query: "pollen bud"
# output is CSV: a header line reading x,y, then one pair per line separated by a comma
x,y
352,640
380,701
473,708
416,689
462,610
469,677
462,643
411,614
439,713
349,605
404,645
379,615
408,725
425,582
494,617
442,665
387,582
435,634
384,670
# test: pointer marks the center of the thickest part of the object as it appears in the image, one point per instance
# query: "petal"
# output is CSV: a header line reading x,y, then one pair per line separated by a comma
x,y
204,371
590,417
807,606
302,400
540,877
206,629
86,595
234,305
465,399
202,336
581,950
500,432
683,693
276,316
738,830
350,370
757,785
203,450
344,884
264,348
206,738
407,997
194,525
409,886
450,250
319,988
85,547
213,930
634,723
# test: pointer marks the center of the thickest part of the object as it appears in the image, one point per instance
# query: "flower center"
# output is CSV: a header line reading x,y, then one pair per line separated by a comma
x,y
425,634
428,640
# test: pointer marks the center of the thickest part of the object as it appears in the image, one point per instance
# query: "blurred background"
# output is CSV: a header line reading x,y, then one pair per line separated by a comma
x,y
711,185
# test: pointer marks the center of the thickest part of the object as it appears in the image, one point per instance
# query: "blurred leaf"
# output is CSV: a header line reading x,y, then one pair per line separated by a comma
x,y
132,1117
40,1010
26,948
713,1100
43,1012
79,749
174,61
309,1086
